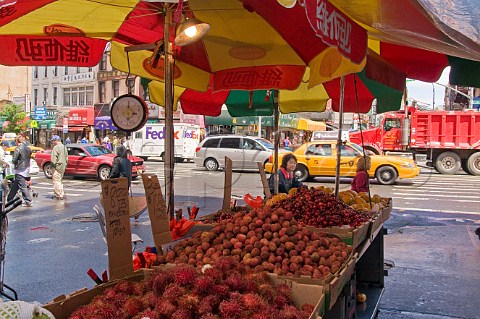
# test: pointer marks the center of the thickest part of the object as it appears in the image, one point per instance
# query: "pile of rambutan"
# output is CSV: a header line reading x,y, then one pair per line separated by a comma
x,y
227,289
264,239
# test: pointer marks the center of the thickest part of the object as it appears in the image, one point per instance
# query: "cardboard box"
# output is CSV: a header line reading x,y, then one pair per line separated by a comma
x,y
335,287
64,306
349,235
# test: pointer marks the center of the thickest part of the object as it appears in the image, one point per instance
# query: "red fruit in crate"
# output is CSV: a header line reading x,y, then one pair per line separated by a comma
x,y
184,275
229,309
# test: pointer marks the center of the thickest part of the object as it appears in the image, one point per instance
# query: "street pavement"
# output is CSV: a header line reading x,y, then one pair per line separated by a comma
x,y
431,250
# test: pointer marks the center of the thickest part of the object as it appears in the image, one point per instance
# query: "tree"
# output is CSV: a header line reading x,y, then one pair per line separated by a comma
x,y
15,118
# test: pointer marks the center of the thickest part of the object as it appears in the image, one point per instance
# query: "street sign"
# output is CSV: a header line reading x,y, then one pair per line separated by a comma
x,y
40,113
65,125
33,124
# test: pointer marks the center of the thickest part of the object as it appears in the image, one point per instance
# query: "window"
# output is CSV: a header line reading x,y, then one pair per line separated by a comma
x,y
213,142
55,93
46,72
74,151
319,150
131,85
55,71
116,88
78,69
230,142
103,63
347,151
101,92
35,97
35,72
66,70
45,96
391,123
66,97
251,145
78,96
90,69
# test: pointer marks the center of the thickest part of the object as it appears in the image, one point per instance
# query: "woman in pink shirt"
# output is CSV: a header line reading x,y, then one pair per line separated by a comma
x,y
360,182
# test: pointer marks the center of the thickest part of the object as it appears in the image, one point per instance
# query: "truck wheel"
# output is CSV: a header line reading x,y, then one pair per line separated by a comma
x,y
48,170
302,173
465,167
211,164
448,163
473,164
144,158
386,175
104,172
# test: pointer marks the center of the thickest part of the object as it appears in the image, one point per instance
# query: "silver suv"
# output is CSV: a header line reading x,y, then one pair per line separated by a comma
x,y
244,151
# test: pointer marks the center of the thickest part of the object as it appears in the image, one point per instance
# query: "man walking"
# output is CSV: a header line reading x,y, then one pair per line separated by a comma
x,y
59,158
21,161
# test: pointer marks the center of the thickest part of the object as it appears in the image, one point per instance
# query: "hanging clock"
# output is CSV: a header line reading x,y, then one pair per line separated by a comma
x,y
129,113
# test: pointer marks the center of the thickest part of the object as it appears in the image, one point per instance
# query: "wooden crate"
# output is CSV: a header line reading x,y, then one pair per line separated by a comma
x,y
334,288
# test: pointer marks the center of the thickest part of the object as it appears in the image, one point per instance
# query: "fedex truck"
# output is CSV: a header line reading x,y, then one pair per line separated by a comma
x,y
150,141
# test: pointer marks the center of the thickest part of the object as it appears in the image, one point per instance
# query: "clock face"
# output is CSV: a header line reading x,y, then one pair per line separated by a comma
x,y
129,113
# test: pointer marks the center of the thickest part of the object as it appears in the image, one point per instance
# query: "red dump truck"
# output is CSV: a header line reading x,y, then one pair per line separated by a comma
x,y
449,139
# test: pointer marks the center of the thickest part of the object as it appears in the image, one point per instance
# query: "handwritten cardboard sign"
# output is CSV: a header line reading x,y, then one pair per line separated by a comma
x,y
119,237
157,211
227,190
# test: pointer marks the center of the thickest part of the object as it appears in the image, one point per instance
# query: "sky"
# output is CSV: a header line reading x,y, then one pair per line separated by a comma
x,y
423,91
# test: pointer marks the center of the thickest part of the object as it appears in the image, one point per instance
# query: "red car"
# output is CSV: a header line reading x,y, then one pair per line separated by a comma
x,y
87,160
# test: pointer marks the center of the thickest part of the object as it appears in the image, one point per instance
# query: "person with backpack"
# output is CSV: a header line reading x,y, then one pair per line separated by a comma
x,y
59,158
21,161
121,167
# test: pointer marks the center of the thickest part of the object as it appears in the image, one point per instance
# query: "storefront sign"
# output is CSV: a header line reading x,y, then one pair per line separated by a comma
x,y
81,116
40,113
78,77
110,75
65,124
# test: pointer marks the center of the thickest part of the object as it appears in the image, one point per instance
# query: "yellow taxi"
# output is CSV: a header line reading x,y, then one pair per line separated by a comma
x,y
11,146
320,159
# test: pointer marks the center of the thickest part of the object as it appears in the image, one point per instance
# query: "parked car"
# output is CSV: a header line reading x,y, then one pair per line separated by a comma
x,y
244,151
320,159
11,146
87,160
34,169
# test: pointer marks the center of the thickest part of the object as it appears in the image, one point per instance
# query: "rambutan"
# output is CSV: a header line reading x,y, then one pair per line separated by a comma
x,y
107,312
209,316
221,290
230,309
182,314
125,287
235,281
290,312
173,292
215,274
203,285
253,302
284,290
189,302
281,301
267,292
307,309
165,308
209,304
132,306
184,275
160,282
149,299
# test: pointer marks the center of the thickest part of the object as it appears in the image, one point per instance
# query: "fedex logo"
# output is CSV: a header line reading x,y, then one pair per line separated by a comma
x,y
191,134
158,135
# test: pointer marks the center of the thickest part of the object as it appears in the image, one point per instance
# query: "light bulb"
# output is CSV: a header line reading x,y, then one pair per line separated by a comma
x,y
191,31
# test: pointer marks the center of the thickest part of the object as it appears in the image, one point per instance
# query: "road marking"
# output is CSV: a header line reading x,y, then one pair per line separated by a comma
x,y
436,195
446,199
68,189
436,210
436,190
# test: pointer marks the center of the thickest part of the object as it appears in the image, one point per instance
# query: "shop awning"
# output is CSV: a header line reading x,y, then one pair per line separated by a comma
x,y
309,125
104,123
46,124
223,119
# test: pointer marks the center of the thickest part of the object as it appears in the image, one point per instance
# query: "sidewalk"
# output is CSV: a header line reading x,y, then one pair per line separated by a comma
x,y
435,272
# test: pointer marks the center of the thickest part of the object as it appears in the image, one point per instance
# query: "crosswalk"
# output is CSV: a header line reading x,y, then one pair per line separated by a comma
x,y
448,193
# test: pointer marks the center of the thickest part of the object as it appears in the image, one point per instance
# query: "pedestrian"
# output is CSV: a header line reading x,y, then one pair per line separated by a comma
x,y
84,140
361,181
21,161
122,166
59,159
68,141
3,164
286,142
286,178
114,142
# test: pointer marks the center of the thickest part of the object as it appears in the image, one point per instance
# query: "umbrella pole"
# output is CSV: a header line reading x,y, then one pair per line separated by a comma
x,y
339,137
169,163
276,115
